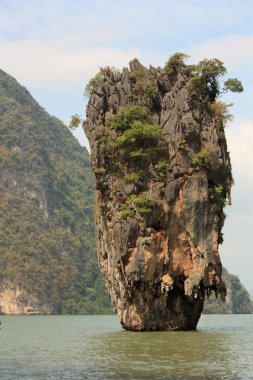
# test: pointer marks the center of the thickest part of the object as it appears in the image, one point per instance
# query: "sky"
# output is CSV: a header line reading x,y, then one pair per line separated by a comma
x,y
54,47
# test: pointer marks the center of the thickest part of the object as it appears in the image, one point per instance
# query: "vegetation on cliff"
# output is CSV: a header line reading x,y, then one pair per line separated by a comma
x,y
46,209
132,142
46,187
162,178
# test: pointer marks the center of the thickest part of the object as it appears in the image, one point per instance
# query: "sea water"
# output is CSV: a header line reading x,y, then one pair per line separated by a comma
x,y
96,347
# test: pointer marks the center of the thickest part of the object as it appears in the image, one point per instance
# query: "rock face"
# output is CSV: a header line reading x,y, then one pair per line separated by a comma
x,y
163,175
15,301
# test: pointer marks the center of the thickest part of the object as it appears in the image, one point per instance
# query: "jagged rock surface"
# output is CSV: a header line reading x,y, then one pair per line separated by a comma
x,y
158,265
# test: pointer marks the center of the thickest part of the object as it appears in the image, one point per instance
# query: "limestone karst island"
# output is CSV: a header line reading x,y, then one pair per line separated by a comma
x,y
162,178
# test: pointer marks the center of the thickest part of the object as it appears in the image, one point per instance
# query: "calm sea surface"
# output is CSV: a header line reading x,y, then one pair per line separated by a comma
x,y
95,347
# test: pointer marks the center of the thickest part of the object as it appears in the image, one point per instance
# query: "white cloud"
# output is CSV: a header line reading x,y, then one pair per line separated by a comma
x,y
240,143
52,65
60,43
233,49
236,252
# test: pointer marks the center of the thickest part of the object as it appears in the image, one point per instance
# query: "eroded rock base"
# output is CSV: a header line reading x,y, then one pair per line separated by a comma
x,y
179,313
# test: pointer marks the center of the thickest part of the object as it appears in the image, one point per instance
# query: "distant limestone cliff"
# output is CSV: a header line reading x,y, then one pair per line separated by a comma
x,y
237,300
162,177
47,245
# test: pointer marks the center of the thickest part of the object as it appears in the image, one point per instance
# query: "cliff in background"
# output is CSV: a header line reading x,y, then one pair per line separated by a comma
x,y
237,299
47,251
163,176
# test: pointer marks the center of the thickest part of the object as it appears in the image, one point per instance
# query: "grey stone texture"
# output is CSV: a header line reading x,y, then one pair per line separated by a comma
x,y
159,267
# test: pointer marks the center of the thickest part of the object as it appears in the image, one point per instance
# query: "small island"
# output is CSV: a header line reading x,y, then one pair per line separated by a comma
x,y
162,178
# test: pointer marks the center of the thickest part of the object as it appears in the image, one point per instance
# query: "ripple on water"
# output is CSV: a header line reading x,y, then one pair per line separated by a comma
x,y
95,347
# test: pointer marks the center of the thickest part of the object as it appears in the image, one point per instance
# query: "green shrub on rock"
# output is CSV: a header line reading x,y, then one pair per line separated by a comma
x,y
124,119
175,63
142,204
200,159
206,79
161,168
218,196
92,83
133,177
